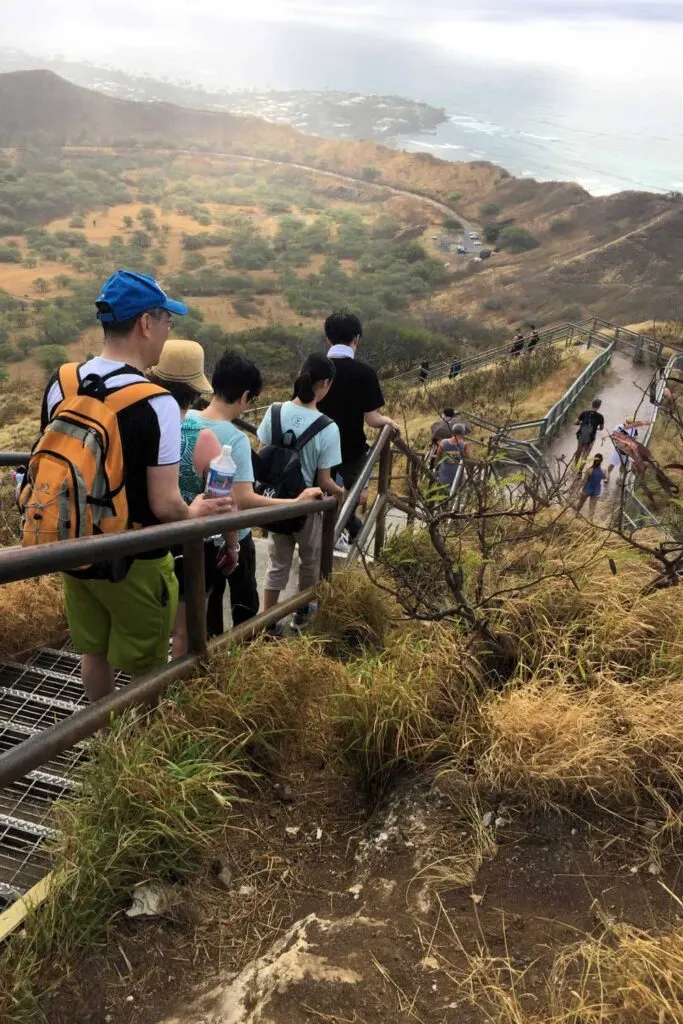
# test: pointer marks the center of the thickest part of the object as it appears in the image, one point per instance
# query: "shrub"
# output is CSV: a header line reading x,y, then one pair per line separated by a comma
x,y
516,239
369,172
452,224
10,254
491,233
489,210
561,226
77,221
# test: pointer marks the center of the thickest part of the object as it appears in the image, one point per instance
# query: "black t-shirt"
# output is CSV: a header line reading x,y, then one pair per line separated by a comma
x,y
594,419
355,391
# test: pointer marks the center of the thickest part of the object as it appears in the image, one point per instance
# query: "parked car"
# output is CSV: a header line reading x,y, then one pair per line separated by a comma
x,y
474,236
461,250
484,254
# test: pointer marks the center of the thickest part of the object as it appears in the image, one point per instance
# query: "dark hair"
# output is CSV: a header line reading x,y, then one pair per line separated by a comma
x,y
342,328
125,327
597,458
183,393
314,369
201,403
596,403
448,413
234,375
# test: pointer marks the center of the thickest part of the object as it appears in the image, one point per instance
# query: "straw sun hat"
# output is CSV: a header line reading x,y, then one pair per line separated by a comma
x,y
182,362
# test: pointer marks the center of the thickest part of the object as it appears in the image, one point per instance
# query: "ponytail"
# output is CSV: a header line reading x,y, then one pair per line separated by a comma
x,y
315,368
303,388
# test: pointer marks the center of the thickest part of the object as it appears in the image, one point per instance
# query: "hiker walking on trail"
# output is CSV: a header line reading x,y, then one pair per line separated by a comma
x,y
622,434
517,344
589,422
450,454
423,373
181,371
455,369
236,382
593,480
118,436
353,401
301,442
534,339
441,430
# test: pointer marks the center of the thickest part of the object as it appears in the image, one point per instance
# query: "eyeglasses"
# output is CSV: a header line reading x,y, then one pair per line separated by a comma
x,y
162,314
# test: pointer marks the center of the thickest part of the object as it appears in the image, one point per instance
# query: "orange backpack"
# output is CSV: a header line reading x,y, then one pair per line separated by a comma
x,y
74,485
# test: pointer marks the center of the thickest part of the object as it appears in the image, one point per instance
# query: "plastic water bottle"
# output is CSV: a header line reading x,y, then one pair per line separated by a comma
x,y
221,474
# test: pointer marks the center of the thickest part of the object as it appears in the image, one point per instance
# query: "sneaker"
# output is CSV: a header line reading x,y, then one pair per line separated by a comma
x,y
302,616
342,547
276,631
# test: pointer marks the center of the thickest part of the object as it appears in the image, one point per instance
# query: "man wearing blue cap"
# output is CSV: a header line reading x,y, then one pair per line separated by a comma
x,y
125,623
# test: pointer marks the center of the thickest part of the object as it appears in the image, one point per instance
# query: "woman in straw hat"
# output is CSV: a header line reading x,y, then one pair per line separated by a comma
x,y
181,371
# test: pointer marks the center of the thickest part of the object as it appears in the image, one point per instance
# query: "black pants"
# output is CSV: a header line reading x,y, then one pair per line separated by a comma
x,y
349,472
244,598
242,582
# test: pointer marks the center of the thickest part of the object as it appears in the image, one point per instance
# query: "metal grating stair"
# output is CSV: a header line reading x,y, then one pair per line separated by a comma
x,y
33,696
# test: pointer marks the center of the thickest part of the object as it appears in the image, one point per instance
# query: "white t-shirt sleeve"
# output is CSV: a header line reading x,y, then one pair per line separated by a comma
x,y
264,432
168,414
330,447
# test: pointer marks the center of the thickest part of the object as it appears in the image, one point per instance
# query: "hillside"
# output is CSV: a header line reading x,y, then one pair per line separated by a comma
x,y
617,257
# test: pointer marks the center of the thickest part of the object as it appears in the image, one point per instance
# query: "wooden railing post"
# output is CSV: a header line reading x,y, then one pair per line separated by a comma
x,y
383,485
327,545
195,596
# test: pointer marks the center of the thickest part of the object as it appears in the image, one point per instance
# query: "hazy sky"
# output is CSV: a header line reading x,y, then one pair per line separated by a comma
x,y
626,38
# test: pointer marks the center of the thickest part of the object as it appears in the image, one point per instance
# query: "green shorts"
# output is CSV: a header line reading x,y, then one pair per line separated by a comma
x,y
130,622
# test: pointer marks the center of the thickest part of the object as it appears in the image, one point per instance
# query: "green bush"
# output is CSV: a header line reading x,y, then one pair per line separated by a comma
x,y
369,172
491,233
516,239
489,210
452,224
10,254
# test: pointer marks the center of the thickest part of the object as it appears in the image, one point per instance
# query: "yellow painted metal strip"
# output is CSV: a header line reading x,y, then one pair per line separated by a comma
x,y
16,914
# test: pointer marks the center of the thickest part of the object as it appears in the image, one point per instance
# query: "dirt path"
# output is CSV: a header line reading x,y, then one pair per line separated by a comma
x,y
608,245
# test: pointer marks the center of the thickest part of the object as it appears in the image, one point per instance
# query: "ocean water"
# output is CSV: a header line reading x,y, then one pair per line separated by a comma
x,y
594,98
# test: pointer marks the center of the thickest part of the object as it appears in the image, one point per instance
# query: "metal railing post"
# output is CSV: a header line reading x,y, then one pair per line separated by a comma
x,y
413,480
383,485
195,596
327,545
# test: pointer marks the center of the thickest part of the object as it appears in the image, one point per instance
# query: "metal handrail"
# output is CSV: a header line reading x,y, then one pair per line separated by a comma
x,y
20,563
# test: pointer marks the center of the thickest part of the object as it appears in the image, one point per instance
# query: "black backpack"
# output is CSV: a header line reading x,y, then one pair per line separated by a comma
x,y
277,467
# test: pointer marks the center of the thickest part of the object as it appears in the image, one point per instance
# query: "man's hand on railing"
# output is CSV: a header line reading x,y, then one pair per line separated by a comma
x,y
202,506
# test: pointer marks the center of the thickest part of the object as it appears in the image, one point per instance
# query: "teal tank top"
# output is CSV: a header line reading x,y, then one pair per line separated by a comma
x,y
191,484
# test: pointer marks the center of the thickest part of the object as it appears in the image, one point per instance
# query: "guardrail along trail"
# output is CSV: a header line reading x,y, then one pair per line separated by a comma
x,y
622,396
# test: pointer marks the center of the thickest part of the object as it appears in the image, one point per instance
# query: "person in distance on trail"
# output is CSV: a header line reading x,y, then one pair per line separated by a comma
x,y
353,401
534,339
518,343
181,371
593,480
589,422
423,372
455,368
121,614
450,453
236,382
318,454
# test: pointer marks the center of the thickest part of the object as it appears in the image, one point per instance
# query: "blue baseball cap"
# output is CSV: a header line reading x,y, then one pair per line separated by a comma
x,y
127,294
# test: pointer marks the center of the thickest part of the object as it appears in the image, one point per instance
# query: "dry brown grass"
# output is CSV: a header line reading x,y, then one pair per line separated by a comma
x,y
32,615
550,742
